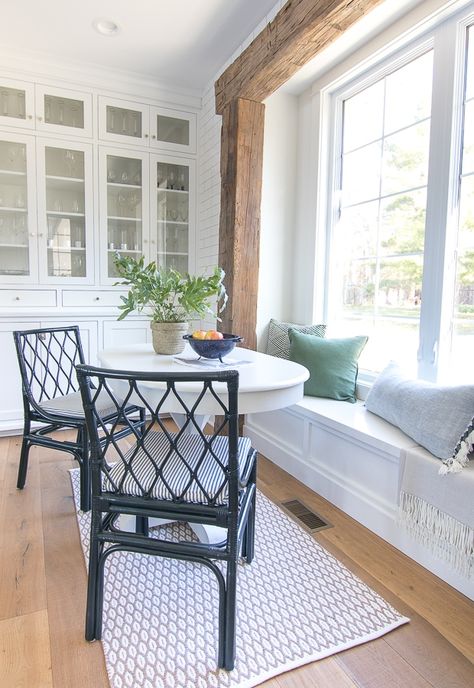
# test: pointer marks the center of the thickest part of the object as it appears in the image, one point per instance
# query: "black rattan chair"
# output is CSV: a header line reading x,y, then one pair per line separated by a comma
x,y
181,476
51,397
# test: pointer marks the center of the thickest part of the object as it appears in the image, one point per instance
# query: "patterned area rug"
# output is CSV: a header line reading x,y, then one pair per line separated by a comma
x,y
296,603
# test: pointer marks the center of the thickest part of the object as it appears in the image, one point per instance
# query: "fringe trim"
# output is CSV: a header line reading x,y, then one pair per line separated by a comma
x,y
461,453
446,537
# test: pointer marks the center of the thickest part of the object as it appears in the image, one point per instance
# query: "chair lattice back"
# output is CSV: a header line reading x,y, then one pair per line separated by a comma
x,y
184,466
47,359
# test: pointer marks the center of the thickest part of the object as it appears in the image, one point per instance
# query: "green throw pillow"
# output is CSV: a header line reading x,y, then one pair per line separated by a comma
x,y
332,364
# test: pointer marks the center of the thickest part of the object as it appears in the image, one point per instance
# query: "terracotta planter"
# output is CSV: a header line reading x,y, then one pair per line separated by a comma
x,y
167,337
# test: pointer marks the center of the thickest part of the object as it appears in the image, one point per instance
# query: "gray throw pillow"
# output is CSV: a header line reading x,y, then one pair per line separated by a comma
x,y
278,343
439,418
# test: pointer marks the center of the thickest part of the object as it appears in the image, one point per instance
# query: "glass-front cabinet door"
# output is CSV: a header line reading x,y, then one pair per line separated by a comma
x,y
17,102
65,212
172,212
124,206
63,111
122,121
173,130
18,231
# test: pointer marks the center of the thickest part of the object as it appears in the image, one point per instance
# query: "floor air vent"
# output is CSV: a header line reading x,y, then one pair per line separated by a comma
x,y
307,518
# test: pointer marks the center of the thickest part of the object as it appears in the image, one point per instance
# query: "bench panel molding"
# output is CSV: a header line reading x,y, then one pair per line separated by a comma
x,y
357,472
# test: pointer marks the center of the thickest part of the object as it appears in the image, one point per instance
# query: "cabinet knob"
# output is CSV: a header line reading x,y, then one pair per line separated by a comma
x,y
30,116
145,241
146,136
32,234
40,234
97,298
153,137
17,298
40,119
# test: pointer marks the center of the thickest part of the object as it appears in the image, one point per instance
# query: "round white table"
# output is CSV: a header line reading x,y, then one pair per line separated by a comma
x,y
266,383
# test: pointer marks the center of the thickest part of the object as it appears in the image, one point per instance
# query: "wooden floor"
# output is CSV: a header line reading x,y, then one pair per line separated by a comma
x,y
43,581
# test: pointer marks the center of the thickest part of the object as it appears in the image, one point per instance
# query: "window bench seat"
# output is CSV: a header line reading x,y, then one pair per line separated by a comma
x,y
351,457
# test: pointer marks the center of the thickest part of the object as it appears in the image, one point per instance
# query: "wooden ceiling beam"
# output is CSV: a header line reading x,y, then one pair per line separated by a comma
x,y
300,30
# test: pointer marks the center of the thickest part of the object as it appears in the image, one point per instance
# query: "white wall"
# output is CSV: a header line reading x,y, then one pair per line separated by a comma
x,y
277,238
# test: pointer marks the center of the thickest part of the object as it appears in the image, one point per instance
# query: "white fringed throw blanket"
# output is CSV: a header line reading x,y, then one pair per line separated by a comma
x,y
438,510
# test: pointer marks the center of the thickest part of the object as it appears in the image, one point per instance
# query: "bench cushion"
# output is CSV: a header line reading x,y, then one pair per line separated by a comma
x,y
439,418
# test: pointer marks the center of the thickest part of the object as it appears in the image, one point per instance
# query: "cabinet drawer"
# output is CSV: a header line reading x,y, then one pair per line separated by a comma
x,y
92,298
18,298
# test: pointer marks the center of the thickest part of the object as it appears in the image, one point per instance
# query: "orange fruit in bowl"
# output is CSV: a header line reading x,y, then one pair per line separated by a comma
x,y
199,334
214,334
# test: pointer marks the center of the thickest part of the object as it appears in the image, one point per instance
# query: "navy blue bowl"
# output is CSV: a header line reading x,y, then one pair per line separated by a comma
x,y
213,348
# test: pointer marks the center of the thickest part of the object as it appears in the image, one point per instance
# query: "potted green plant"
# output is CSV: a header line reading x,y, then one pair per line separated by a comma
x,y
173,299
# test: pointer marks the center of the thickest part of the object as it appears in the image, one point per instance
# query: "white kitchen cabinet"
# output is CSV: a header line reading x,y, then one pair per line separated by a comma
x,y
17,104
11,404
45,211
146,208
65,212
45,108
129,331
77,185
18,218
63,111
125,121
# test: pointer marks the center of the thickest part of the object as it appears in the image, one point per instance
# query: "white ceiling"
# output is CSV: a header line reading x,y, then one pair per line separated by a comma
x,y
182,43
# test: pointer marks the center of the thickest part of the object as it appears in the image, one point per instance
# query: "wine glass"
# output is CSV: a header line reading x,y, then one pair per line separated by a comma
x,y
71,163
172,179
182,180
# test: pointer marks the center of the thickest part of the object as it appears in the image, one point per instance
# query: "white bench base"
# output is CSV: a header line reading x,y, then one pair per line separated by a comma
x,y
351,458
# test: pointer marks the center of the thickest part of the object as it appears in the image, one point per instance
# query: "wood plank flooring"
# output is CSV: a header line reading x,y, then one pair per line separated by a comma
x,y
43,584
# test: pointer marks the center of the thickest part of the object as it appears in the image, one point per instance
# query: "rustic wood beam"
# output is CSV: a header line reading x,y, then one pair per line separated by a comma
x,y
239,239
300,30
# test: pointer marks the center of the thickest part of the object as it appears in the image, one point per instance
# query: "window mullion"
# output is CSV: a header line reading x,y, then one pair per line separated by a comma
x,y
439,262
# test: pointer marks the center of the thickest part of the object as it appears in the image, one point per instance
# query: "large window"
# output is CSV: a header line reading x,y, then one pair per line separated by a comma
x,y
401,220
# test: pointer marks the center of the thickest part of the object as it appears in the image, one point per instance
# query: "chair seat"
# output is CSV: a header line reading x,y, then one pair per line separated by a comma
x,y
71,405
155,471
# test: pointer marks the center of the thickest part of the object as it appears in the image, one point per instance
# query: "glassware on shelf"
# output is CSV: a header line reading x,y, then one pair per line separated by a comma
x,y
20,200
121,204
58,205
21,105
111,175
171,180
183,212
47,109
71,163
124,177
124,240
75,206
182,181
61,111
5,96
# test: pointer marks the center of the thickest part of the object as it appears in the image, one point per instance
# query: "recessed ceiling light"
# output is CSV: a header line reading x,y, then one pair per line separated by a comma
x,y
106,27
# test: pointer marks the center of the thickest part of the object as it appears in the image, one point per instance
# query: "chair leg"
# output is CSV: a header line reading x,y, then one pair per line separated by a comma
x,y
141,525
23,465
229,617
85,471
93,583
249,537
